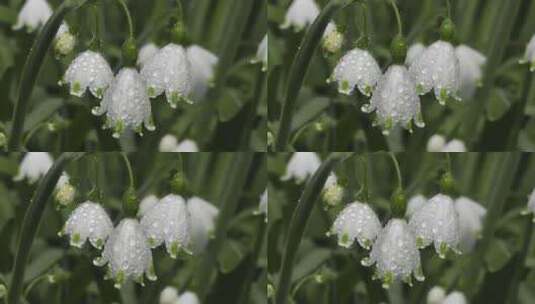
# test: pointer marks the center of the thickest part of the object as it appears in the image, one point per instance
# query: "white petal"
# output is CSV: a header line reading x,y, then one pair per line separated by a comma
x,y
470,63
89,70
436,295
147,203
168,143
300,14
33,15
357,221
416,202
301,166
33,166
188,297
455,298
356,68
169,295
88,221
203,216
454,145
436,143
203,63
146,52
187,145
471,215
414,52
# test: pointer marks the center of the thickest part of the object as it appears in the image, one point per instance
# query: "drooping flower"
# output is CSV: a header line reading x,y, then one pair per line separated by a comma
x,y
531,205
436,295
332,192
437,68
168,222
395,100
168,143
455,297
203,63
262,53
356,68
332,39
414,52
471,63
437,222
436,143
356,222
203,216
33,15
300,14
33,166
127,254
188,297
126,104
395,254
169,295
88,221
416,202
64,41
187,145
169,71
301,166
454,145
146,52
146,203
471,215
89,70
529,56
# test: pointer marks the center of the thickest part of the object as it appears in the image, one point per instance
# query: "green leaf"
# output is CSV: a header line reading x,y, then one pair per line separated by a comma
x,y
43,262
309,110
310,262
42,112
229,105
498,255
231,254
498,104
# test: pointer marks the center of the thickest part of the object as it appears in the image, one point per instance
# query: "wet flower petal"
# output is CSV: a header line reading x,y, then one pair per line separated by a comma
x,y
88,221
414,52
89,70
356,222
529,56
416,202
356,68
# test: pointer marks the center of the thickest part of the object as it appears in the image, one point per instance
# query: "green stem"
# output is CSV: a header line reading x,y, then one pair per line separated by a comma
x,y
31,69
257,251
298,223
230,197
129,168
180,11
299,68
398,17
248,126
448,7
128,18
398,171
30,223
520,262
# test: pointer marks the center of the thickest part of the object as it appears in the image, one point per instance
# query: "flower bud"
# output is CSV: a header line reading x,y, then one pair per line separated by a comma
x,y
529,55
169,295
129,50
65,194
447,183
178,33
33,166
33,15
179,183
130,201
300,14
64,41
447,30
436,295
332,192
332,38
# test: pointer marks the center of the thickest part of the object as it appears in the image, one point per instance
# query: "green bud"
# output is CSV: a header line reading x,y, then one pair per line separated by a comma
x,y
447,30
363,42
447,183
398,48
178,33
130,201
179,184
130,52
399,203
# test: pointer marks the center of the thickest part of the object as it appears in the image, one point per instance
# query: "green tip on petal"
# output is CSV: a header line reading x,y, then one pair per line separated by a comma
x,y
119,279
152,242
408,280
118,129
387,280
420,242
140,280
151,274
419,89
76,87
75,240
419,274
344,87
151,91
173,250
344,241
99,243
443,250
367,262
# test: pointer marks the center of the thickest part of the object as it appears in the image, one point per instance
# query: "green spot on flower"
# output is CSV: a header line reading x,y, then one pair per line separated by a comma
x,y
76,87
119,279
420,242
443,250
173,251
388,279
344,240
99,243
151,91
345,86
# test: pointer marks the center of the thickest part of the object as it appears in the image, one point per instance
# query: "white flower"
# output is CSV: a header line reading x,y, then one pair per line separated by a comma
x,y
332,192
455,298
438,68
262,53
127,253
454,145
146,52
168,143
187,145
414,52
531,205
168,221
301,166
169,71
89,70
300,14
529,56
203,216
332,38
356,68
33,166
437,222
395,254
416,202
188,297
436,143
263,205
146,203
356,222
470,62
64,41
33,15
471,215
395,100
169,295
126,104
203,64
88,221
436,295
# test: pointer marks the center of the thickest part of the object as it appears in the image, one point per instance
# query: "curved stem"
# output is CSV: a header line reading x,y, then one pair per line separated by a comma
x,y
180,11
364,19
398,17
398,171
33,284
31,69
300,66
128,17
448,161
129,168
298,223
30,223
448,6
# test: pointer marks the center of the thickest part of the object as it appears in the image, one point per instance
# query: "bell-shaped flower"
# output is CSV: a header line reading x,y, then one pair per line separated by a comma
x,y
531,205
332,39
395,100
529,56
88,221
146,203
471,63
332,192
437,68
416,202
188,297
356,68
356,222
262,53
455,297
301,166
168,143
414,52
169,295
33,15
168,222
300,14
126,104
33,166
437,222
187,145
203,63
146,52
454,145
203,216
64,41
89,70
471,215
395,254
436,143
169,71
127,254
436,295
